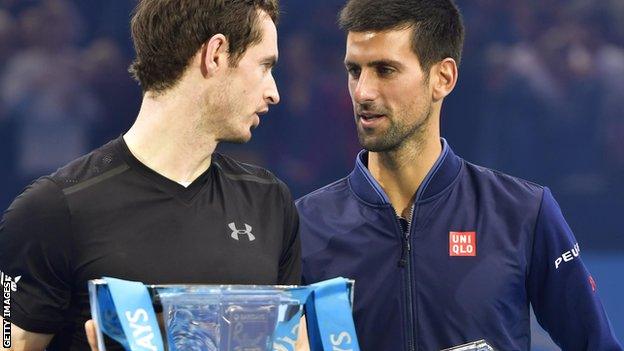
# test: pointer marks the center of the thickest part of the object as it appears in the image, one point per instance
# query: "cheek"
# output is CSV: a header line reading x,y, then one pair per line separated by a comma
x,y
352,84
255,84
406,92
260,76
247,79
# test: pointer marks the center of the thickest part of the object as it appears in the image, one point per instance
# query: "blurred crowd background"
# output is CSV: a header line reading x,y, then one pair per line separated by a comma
x,y
540,96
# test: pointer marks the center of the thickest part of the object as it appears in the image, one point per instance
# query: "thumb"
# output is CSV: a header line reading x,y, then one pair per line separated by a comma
x,y
90,329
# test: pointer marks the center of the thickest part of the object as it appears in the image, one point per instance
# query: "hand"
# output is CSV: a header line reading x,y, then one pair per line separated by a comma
x,y
303,343
90,329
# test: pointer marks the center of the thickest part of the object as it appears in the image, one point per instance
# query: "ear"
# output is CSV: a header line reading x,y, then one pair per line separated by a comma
x,y
443,77
214,55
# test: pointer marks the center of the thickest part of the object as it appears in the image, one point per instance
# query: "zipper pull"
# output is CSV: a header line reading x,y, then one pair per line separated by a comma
x,y
404,225
404,252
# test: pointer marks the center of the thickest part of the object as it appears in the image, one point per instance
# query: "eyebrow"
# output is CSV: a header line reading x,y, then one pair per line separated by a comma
x,y
376,63
271,61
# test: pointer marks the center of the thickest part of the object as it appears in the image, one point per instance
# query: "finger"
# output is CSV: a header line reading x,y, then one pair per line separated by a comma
x,y
302,343
91,334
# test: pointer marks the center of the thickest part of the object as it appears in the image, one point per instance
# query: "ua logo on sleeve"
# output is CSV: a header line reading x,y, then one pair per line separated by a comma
x,y
236,232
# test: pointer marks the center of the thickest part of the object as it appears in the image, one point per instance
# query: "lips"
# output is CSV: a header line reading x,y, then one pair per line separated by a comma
x,y
370,120
369,117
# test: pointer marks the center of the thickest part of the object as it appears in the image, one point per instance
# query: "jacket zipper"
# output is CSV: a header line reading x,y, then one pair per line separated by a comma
x,y
404,262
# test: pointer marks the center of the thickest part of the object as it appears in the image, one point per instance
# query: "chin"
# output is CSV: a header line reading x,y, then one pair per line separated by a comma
x,y
238,140
239,135
376,144
241,138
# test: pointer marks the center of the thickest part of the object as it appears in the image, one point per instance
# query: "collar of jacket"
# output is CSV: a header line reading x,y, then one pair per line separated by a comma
x,y
440,176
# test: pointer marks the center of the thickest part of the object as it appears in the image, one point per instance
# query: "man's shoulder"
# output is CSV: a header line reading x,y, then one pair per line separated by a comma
x,y
104,161
330,193
49,191
497,182
248,177
42,196
241,171
231,167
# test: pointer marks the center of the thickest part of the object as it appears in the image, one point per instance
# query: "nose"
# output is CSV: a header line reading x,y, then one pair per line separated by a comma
x,y
365,88
271,95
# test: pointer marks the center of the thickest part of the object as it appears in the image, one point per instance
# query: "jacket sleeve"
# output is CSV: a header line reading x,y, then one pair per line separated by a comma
x,y
562,292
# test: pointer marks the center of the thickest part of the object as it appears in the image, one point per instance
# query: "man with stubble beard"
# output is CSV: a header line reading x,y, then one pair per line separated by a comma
x,y
443,252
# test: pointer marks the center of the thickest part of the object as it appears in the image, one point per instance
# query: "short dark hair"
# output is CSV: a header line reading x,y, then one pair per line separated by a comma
x,y
437,26
167,33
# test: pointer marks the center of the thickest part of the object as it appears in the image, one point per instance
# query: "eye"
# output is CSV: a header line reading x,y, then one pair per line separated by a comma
x,y
353,71
385,70
267,67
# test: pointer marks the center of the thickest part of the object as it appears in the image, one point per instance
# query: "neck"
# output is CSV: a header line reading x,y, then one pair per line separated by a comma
x,y
400,172
166,138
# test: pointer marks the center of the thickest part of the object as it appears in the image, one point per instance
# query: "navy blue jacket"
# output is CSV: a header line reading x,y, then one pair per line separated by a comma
x,y
481,247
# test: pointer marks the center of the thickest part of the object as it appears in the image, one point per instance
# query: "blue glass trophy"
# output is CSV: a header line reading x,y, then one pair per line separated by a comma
x,y
219,317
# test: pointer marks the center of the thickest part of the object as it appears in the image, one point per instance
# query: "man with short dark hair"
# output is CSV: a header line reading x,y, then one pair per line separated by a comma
x,y
443,252
158,205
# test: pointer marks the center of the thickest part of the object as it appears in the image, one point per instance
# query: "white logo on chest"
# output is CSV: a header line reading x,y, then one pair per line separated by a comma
x,y
236,232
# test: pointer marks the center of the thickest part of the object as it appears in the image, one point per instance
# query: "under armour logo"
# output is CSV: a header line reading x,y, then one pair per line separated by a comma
x,y
236,232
